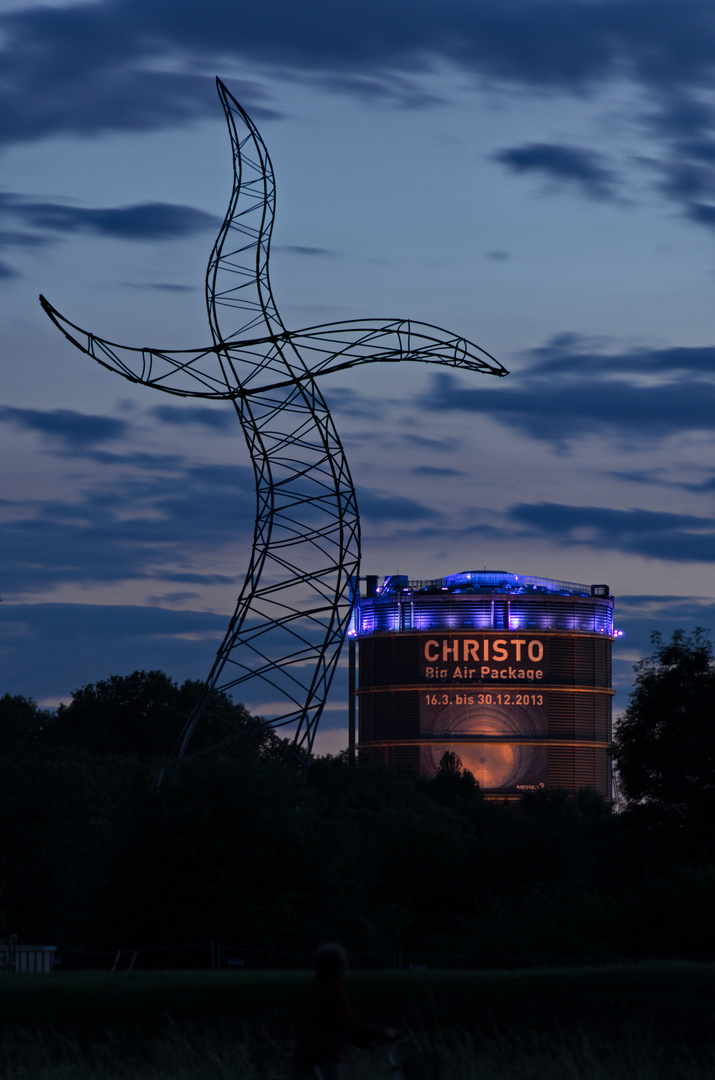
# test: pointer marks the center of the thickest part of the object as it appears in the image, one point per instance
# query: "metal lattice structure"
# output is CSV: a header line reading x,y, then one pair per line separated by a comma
x,y
284,639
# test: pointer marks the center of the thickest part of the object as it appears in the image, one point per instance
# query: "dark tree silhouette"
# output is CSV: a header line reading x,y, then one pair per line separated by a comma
x,y
142,714
21,719
453,783
665,740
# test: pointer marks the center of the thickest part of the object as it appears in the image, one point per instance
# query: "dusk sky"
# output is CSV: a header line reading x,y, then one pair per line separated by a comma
x,y
535,175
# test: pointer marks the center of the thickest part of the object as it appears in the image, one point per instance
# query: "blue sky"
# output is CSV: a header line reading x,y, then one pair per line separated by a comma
x,y
535,175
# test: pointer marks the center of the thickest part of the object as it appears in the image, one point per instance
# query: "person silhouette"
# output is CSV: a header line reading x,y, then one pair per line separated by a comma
x,y
329,1025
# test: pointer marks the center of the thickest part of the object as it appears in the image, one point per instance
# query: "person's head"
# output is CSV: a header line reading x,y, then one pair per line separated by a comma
x,y
331,962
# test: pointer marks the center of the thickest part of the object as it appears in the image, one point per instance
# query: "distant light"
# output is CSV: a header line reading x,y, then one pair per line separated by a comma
x,y
618,633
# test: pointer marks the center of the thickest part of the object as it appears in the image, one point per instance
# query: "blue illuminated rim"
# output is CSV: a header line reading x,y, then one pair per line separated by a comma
x,y
483,600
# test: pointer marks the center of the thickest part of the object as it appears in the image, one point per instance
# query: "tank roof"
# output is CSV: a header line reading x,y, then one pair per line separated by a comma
x,y
503,581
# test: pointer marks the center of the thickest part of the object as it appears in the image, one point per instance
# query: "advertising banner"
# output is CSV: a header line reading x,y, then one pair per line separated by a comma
x,y
495,733
470,657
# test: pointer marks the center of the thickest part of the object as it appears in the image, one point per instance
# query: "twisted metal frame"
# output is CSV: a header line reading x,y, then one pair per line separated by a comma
x,y
293,611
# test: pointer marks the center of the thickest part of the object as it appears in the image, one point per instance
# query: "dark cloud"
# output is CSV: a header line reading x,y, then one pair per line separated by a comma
x,y
563,164
102,93
348,402
128,65
81,643
423,442
642,476
211,419
687,609
150,517
688,178
572,387
378,86
9,238
658,478
376,507
652,534
174,598
703,486
93,67
160,287
21,240
75,432
557,43
139,459
152,511
432,470
145,221
300,249
701,213
569,355
558,414
142,526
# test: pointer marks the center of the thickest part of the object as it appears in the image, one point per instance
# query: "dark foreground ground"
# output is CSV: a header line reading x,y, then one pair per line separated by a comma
x,y
673,1002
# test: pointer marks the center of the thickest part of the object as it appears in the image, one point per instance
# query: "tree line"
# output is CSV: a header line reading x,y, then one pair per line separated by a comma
x,y
238,848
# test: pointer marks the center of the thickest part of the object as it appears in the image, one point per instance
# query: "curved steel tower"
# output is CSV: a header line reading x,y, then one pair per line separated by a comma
x,y
292,613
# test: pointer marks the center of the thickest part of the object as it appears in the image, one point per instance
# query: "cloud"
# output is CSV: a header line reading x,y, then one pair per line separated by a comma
x,y
160,286
658,478
562,164
301,249
423,442
432,470
651,534
18,239
75,432
81,643
347,402
146,516
687,609
589,388
136,459
569,355
145,221
126,65
651,477
173,598
9,238
374,506
144,525
687,177
151,517
210,419
87,68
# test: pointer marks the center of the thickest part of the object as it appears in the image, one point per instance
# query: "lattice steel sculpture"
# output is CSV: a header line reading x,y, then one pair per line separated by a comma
x,y
293,610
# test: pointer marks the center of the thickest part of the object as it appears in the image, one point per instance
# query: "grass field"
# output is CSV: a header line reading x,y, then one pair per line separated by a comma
x,y
614,1023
